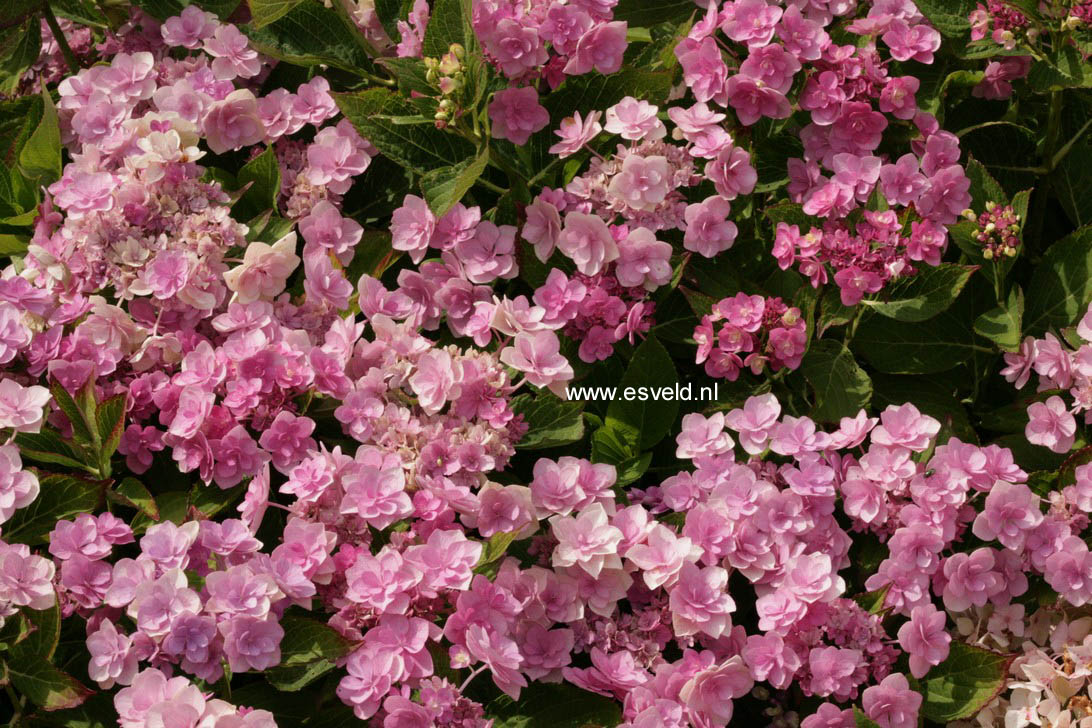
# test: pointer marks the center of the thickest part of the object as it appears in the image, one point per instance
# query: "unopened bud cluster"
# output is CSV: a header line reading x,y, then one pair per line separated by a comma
x,y
998,230
447,74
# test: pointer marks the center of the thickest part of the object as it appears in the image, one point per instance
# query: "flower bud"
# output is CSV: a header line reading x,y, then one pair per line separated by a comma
x,y
449,64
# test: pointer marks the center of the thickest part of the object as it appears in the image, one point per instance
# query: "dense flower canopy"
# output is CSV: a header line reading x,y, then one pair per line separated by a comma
x,y
490,363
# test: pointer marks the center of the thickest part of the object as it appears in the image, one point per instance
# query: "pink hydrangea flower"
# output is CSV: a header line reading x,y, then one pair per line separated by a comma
x,y
232,54
22,408
251,643
587,240
376,495
643,260
576,131
634,120
516,114
754,421
189,28
892,704
972,579
538,356
233,122
601,49
708,695
1010,513
587,540
1051,425
709,232
264,271
642,183
700,602
925,638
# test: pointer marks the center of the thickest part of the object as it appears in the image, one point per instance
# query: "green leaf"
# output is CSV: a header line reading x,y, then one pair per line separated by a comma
x,y
12,244
18,120
1062,69
13,10
208,500
861,720
389,12
608,447
308,640
445,186
292,679
594,91
410,73
28,660
96,712
81,424
46,686
832,312
61,497
545,705
493,550
1061,284
645,14
419,148
842,389
373,255
308,651
264,12
898,347
964,683
16,629
925,294
1002,324
41,643
110,423
48,447
268,227
984,188
1072,180
40,158
163,9
263,174
948,16
1028,456
20,46
771,156
651,376
790,213
449,23
310,34
551,421
873,601
131,493
84,12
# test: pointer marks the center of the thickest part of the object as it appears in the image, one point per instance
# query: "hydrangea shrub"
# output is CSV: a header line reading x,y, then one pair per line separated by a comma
x,y
565,363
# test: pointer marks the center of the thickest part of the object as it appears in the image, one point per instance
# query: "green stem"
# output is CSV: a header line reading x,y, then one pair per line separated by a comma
x,y
58,35
490,186
1061,154
1034,226
388,82
16,706
853,324
545,171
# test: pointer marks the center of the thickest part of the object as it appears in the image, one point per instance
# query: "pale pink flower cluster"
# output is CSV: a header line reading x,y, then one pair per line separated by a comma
x,y
1059,364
